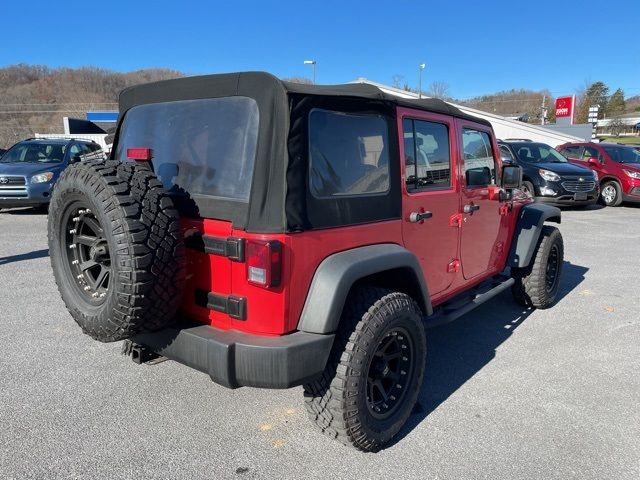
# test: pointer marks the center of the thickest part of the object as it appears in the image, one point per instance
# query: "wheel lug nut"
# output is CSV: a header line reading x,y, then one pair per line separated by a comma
x,y
392,397
102,295
402,372
398,386
76,219
87,288
72,231
81,276
95,295
404,359
74,262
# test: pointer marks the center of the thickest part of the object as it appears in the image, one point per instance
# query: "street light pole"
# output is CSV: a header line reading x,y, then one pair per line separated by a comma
x,y
313,65
421,68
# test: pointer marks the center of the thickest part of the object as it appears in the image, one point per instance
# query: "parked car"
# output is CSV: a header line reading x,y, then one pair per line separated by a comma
x,y
273,234
30,169
548,176
618,167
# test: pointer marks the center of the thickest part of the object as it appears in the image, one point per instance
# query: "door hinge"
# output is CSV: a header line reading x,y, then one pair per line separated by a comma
x,y
456,220
454,266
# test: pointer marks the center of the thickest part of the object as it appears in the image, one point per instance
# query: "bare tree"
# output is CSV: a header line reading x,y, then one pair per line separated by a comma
x,y
439,89
617,126
302,80
397,80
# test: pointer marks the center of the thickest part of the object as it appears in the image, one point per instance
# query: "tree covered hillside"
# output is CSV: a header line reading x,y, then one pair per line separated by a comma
x,y
34,98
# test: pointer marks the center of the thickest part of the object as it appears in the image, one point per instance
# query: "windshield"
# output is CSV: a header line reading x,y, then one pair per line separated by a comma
x,y
34,153
622,154
538,153
206,147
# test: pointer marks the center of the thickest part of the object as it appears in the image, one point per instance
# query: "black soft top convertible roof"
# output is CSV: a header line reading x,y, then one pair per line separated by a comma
x,y
246,83
279,199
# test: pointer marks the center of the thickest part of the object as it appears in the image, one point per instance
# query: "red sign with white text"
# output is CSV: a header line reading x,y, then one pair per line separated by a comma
x,y
564,106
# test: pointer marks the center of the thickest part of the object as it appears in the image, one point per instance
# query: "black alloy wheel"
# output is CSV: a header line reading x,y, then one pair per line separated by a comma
x,y
553,267
389,374
88,255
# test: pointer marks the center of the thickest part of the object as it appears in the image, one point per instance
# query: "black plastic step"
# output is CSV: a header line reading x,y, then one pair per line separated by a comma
x,y
467,301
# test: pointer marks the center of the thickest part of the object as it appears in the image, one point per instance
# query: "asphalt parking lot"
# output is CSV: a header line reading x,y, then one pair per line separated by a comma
x,y
507,393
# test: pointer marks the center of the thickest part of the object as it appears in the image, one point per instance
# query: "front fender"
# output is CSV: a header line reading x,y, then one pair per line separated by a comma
x,y
337,273
527,232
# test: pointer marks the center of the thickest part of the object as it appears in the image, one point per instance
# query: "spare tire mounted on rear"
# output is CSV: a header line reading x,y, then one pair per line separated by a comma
x,y
116,249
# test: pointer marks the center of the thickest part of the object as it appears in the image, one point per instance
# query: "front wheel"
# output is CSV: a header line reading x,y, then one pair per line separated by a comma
x,y
374,372
527,187
537,285
611,194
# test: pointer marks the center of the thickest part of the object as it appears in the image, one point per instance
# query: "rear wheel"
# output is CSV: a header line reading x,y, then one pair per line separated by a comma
x,y
537,285
374,373
611,193
116,249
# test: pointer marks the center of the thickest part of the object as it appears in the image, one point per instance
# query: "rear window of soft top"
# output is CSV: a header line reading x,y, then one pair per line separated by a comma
x,y
206,147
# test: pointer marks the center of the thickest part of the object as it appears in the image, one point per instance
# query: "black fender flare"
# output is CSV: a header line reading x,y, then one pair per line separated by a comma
x,y
337,273
527,232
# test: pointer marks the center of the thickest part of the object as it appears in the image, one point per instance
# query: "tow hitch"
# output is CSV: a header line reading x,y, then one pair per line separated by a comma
x,y
141,354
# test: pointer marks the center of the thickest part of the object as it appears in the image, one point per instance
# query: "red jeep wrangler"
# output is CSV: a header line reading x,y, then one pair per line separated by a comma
x,y
273,234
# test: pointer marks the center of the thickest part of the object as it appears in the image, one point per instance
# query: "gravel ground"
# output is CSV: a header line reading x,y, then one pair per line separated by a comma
x,y
507,393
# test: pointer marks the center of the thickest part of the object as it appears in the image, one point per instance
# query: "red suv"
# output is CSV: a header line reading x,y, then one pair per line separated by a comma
x,y
617,166
272,234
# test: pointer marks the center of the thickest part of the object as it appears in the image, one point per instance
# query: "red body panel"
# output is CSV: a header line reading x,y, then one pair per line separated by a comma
x,y
608,169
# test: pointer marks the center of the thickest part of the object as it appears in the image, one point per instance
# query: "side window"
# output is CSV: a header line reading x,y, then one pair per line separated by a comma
x,y
427,155
349,154
505,153
74,150
572,152
591,152
479,165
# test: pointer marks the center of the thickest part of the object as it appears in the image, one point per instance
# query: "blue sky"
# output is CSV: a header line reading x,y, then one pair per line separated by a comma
x,y
475,47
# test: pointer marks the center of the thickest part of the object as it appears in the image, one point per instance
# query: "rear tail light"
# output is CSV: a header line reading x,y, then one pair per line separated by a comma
x,y
264,263
139,154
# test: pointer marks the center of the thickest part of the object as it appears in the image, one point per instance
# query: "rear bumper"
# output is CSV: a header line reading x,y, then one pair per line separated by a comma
x,y
235,359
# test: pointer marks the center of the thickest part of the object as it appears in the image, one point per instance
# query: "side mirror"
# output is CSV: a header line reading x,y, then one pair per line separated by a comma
x,y
506,160
593,161
76,158
511,177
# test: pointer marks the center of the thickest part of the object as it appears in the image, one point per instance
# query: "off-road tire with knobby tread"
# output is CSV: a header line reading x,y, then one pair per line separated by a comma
x,y
337,402
530,287
142,230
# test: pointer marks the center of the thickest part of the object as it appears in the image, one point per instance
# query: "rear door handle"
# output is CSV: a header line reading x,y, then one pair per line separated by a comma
x,y
470,208
415,217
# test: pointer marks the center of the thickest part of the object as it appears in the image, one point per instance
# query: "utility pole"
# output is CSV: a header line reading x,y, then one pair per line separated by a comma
x,y
544,110
421,68
313,65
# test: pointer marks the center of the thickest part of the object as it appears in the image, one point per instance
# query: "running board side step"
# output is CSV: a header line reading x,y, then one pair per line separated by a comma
x,y
456,308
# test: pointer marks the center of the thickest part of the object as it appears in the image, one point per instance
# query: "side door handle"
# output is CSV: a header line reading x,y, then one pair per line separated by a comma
x,y
415,217
470,208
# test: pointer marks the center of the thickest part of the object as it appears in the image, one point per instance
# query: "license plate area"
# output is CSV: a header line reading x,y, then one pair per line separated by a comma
x,y
580,196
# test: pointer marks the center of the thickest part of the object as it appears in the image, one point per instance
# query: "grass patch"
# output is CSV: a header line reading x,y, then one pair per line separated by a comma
x,y
624,140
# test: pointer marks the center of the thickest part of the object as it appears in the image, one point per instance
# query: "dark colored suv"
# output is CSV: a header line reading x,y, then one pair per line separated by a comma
x,y
30,169
273,234
618,167
548,176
